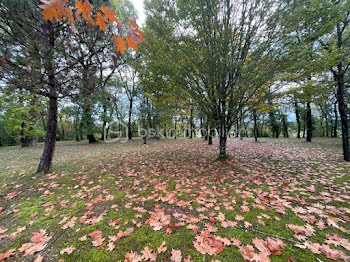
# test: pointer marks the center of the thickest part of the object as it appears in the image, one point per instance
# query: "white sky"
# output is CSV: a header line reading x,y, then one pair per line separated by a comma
x,y
138,4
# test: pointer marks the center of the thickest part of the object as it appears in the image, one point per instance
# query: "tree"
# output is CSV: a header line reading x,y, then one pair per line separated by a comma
x,y
212,45
21,113
40,37
319,31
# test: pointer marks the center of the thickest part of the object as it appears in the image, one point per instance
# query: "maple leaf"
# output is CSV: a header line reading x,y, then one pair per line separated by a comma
x,y
69,250
53,9
131,43
119,44
176,255
247,252
333,253
239,218
148,254
162,248
101,21
38,243
274,245
206,243
109,14
132,257
70,224
83,238
7,254
96,234
111,246
17,232
85,9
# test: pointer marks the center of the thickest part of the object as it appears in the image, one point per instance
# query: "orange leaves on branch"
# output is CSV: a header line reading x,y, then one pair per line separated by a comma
x,y
101,21
119,44
56,9
131,43
85,9
109,14
53,9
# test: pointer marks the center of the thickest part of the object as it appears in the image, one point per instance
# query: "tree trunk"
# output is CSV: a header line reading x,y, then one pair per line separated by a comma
x,y
144,121
304,121
343,116
223,139
326,118
175,129
104,123
285,127
191,122
89,123
129,120
297,116
335,132
255,126
274,125
308,122
50,142
210,136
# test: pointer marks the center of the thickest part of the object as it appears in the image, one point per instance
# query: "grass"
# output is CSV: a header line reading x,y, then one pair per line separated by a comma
x,y
128,181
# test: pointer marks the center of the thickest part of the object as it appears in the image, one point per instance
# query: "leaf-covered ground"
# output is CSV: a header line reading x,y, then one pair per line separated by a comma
x,y
276,200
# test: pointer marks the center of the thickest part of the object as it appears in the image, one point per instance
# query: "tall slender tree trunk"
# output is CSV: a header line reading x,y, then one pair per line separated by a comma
x,y
191,122
89,123
104,123
237,128
285,127
144,122
327,126
308,122
175,135
343,114
335,132
223,140
50,141
255,126
76,130
129,120
297,116
211,134
207,133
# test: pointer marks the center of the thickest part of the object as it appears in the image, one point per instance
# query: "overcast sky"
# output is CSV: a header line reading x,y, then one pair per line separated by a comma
x,y
139,7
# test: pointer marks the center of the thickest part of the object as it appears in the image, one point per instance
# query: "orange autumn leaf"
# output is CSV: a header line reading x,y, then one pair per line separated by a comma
x,y
53,9
101,21
7,254
85,8
131,43
109,14
119,44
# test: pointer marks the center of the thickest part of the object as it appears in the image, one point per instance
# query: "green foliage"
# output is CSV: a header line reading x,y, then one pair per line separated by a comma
x,y
21,112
